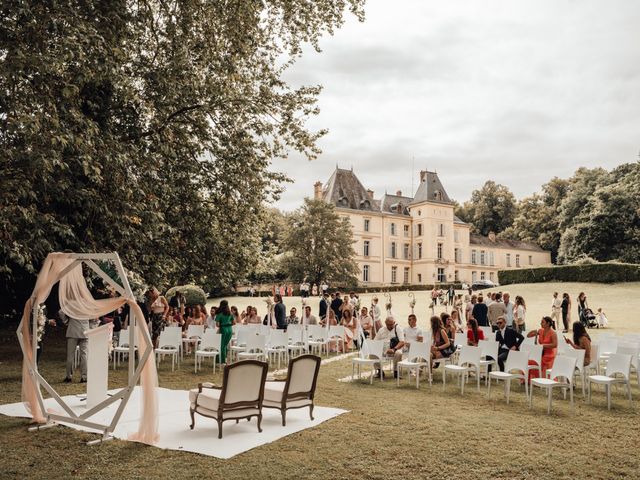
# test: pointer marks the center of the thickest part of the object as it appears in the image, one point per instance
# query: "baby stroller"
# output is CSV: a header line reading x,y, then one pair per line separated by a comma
x,y
588,318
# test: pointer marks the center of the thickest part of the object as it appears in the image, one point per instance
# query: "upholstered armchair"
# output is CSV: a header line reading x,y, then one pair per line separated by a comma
x,y
241,395
297,390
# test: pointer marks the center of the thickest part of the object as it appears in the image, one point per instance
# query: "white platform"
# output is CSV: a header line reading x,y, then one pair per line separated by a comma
x,y
174,424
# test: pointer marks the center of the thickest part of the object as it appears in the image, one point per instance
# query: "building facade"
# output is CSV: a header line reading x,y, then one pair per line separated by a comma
x,y
419,240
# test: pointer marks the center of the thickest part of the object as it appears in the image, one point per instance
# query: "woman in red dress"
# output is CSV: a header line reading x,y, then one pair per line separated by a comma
x,y
548,338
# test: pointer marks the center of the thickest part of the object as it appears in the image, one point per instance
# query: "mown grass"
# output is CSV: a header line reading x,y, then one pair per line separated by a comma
x,y
388,432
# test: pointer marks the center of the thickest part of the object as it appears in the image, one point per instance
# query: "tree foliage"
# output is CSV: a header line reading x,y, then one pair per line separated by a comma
x,y
319,245
492,208
147,127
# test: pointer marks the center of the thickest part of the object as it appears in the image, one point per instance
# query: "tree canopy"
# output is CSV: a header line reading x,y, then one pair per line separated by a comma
x,y
492,208
147,127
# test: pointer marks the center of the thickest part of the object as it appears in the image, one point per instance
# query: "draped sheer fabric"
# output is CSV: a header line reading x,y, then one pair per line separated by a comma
x,y
76,301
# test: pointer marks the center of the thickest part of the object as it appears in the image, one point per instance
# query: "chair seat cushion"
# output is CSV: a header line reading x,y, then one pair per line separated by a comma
x,y
245,412
168,350
502,375
456,368
207,353
208,398
545,382
303,402
273,391
601,379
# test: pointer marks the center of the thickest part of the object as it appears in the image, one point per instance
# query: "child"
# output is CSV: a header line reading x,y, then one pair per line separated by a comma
x,y
602,319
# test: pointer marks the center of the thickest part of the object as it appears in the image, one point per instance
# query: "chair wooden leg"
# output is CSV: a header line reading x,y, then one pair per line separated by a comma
x,y
219,428
311,411
193,419
260,422
284,417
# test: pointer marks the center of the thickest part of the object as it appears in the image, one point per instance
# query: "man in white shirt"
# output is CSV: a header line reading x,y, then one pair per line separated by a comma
x,y
556,309
394,334
366,322
509,306
307,318
375,314
412,333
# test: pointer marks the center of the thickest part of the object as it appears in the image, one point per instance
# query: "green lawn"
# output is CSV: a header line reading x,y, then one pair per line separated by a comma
x,y
389,431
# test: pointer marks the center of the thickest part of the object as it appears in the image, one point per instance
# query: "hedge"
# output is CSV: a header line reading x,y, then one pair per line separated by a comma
x,y
596,272
193,294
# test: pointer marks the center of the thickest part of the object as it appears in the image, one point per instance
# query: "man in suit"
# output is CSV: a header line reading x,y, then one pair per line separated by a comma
x,y
508,338
280,312
75,338
324,304
335,306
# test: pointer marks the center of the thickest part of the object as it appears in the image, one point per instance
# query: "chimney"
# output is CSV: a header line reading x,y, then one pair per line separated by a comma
x,y
399,193
317,190
492,236
423,175
370,193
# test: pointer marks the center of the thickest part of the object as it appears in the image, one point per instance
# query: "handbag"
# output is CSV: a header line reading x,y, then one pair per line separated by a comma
x,y
393,343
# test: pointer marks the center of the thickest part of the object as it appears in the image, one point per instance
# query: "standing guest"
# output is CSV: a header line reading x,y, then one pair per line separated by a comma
x,y
307,318
324,304
159,308
508,339
350,324
495,310
293,319
412,333
556,309
236,314
175,300
395,335
480,312
434,296
224,322
375,314
314,290
331,318
441,346
474,333
280,312
451,293
488,299
335,306
302,290
581,341
289,290
457,307
601,318
449,327
582,307
468,311
508,304
211,319
519,312
245,313
324,287
547,337
75,338
366,322
468,295
565,307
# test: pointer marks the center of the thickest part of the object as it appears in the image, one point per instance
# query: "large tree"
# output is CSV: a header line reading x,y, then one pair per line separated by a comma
x,y
492,208
319,245
147,127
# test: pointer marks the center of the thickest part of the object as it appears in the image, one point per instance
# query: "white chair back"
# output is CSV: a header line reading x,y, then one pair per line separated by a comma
x,y
243,336
256,343
470,356
315,331
264,329
461,338
419,351
517,360
295,336
211,340
578,354
528,341
534,351
619,363
336,331
608,345
630,349
373,348
594,357
563,368
195,331
123,340
563,346
170,337
278,338
488,332
489,348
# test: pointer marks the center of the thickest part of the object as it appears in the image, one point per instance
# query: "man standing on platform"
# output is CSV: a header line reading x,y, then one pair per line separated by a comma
x,y
75,338
280,312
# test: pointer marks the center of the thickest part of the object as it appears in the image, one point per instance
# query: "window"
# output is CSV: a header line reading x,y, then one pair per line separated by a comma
x,y
394,274
393,229
394,252
456,276
441,229
482,257
441,275
482,276
366,224
491,260
508,259
419,278
473,257
406,275
474,276
365,250
530,260
439,251
456,255
405,251
491,276
517,260
365,273
419,250
456,236
419,229
406,231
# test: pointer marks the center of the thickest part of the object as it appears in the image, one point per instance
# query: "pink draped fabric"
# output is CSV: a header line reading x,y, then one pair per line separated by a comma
x,y
77,302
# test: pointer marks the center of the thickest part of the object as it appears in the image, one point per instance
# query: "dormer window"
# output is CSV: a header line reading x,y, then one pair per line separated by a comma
x,y
365,204
437,195
344,202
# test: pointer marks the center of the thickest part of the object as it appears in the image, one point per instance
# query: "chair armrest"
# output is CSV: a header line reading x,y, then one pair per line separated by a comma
x,y
207,385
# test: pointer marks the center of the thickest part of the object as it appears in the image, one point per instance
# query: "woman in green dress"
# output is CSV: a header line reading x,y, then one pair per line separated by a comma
x,y
224,322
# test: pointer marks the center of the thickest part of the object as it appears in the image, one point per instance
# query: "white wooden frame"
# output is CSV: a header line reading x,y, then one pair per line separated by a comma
x,y
134,372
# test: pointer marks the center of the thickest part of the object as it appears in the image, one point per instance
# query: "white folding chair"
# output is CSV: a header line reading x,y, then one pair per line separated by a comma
x,y
535,355
371,354
418,357
468,361
515,368
241,342
256,348
194,335
633,350
489,355
337,334
561,376
278,346
618,370
209,347
169,344
578,354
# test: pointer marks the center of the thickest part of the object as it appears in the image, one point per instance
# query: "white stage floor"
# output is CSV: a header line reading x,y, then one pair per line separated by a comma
x,y
174,423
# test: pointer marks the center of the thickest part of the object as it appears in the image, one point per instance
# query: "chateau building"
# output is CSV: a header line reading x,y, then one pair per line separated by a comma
x,y
419,240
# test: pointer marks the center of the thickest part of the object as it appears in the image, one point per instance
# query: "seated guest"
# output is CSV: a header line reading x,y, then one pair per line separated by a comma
x,y
441,346
366,322
480,312
253,318
351,326
455,318
307,318
331,318
474,333
412,333
508,338
547,337
581,341
211,319
395,335
293,319
449,327
245,314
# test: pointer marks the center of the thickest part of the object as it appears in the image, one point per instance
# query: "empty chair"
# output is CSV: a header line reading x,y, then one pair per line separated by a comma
x,y
528,341
578,354
241,342
618,370
263,330
371,355
468,361
607,346
278,346
418,358
561,376
298,390
489,355
240,396
535,356
256,348
515,368
297,341
320,341
169,344
337,335
122,348
488,332
633,350
209,348
595,362
193,336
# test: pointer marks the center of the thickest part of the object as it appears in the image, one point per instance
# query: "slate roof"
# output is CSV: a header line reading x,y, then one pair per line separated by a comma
x,y
431,190
457,220
345,190
389,204
475,239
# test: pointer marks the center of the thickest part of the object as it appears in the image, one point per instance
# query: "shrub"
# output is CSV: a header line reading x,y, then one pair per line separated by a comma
x,y
193,294
584,272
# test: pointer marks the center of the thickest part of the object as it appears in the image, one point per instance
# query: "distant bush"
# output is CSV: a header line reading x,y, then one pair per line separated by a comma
x,y
193,294
584,272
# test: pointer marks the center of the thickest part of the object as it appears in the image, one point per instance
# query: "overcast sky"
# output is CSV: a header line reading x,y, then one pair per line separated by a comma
x,y
513,91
